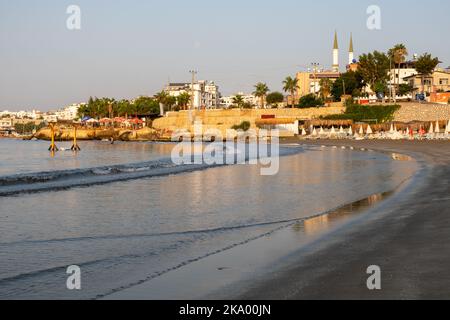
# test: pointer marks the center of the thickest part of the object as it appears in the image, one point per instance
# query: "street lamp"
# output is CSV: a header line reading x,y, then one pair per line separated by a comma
x,y
315,66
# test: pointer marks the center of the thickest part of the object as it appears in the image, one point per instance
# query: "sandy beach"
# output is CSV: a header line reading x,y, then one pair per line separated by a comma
x,y
407,237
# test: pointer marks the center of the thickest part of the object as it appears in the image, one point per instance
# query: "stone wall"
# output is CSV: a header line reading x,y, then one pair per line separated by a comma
x,y
422,112
225,119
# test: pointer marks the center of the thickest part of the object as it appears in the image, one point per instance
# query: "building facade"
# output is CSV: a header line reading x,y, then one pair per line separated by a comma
x,y
438,82
206,93
69,113
251,99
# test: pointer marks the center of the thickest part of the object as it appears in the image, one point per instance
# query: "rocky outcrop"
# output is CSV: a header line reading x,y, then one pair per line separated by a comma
x,y
66,134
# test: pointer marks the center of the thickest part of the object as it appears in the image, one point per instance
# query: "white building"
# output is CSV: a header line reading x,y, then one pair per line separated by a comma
x,y
251,99
50,117
407,69
69,113
6,123
206,93
21,114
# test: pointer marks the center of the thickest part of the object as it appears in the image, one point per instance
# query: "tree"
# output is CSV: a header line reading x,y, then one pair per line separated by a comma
x,y
398,55
161,98
170,102
183,100
145,105
405,89
325,88
238,101
261,91
274,98
425,66
123,108
350,82
374,68
310,101
290,85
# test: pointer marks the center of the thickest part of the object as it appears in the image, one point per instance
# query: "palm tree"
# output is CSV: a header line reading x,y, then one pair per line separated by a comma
x,y
291,85
325,88
398,55
161,98
261,91
183,100
425,66
238,100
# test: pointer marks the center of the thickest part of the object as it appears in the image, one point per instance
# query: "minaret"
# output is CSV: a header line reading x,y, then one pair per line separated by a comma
x,y
351,54
335,54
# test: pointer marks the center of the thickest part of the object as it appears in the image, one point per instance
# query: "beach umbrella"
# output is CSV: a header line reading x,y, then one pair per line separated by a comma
x,y
392,128
333,131
119,119
84,119
341,130
369,130
361,130
437,128
303,132
421,131
407,131
321,131
314,133
135,121
431,131
105,120
92,121
350,131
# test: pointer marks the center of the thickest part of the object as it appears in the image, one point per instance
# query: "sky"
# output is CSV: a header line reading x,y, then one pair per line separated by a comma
x,y
127,48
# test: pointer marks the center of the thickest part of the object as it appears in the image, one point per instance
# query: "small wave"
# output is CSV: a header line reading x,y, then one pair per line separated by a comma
x,y
64,179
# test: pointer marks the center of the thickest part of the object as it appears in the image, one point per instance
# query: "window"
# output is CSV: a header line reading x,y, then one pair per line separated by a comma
x,y
443,81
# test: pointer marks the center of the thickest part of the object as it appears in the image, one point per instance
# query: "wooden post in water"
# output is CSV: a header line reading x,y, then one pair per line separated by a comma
x,y
75,146
53,146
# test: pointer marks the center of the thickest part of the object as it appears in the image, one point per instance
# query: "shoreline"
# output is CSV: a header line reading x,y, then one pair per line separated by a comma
x,y
245,285
406,236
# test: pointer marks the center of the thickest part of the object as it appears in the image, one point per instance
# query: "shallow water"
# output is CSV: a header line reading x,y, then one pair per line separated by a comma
x,y
126,232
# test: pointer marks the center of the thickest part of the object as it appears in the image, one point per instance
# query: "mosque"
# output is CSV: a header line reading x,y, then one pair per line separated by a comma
x,y
309,81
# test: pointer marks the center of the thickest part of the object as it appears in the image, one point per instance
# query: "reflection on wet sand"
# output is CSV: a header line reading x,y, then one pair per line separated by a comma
x,y
322,223
401,157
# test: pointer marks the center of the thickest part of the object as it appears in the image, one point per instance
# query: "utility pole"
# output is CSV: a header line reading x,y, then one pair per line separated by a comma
x,y
390,79
193,73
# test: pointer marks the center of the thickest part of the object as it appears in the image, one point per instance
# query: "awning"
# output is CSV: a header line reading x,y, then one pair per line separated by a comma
x,y
277,121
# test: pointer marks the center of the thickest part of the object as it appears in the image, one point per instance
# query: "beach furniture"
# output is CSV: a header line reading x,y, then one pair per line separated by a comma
x,y
437,128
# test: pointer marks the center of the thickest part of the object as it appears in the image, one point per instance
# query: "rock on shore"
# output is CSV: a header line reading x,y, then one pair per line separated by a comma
x,y
65,134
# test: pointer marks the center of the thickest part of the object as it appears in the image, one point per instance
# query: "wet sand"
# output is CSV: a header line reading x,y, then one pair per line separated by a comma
x,y
408,237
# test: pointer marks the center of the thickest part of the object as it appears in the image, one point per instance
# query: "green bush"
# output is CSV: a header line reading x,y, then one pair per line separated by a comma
x,y
244,126
27,128
310,101
358,113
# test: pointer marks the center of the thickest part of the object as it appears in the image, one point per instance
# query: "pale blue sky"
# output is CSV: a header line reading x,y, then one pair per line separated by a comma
x,y
128,48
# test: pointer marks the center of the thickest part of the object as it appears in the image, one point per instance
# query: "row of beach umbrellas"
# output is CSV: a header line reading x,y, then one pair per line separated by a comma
x,y
434,129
